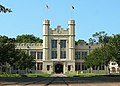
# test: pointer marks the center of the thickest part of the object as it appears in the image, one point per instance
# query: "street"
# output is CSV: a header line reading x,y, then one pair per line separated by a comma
x,y
61,81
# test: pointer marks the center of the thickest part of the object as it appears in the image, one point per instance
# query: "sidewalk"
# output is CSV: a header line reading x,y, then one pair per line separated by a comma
x,y
58,75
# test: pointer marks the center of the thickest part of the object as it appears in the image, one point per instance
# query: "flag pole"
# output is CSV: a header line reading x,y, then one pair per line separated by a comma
x,y
71,12
46,11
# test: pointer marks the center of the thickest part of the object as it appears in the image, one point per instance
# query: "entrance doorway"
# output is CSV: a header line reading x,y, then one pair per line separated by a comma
x,y
58,68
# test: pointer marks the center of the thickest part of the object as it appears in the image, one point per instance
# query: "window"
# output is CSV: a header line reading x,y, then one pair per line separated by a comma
x,y
84,54
39,66
54,55
48,67
63,54
77,66
113,63
77,55
69,67
54,43
33,53
63,43
39,55
84,67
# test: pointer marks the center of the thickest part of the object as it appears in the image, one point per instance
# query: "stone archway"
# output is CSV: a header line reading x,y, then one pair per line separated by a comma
x,y
58,68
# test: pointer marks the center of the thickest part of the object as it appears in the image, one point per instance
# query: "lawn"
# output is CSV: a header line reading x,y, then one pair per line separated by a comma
x,y
25,75
83,75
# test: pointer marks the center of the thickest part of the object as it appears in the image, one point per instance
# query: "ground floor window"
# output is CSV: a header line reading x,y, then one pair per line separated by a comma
x,y
77,66
69,67
48,67
84,67
39,66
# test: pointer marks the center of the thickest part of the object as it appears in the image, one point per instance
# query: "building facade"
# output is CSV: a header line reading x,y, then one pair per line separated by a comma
x,y
58,52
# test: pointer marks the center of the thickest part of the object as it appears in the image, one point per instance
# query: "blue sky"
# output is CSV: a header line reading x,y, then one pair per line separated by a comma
x,y
90,15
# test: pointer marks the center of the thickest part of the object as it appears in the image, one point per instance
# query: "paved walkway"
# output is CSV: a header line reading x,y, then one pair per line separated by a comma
x,y
58,75
59,80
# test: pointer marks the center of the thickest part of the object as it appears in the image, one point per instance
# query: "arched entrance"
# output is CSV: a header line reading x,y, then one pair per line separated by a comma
x,y
58,68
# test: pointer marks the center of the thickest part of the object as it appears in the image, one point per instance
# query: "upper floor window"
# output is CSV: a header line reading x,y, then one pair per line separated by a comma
x,y
63,43
77,55
54,43
33,53
39,55
84,54
63,54
54,55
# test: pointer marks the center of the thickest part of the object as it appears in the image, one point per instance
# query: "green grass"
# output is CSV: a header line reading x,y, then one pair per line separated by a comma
x,y
84,75
25,75
38,75
10,75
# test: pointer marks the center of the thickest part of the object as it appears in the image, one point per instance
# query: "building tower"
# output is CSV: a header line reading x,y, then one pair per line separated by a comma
x,y
46,29
71,26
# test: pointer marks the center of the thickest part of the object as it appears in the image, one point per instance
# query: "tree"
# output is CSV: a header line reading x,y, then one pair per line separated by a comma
x,y
28,39
11,56
79,42
92,41
95,58
114,47
3,39
99,37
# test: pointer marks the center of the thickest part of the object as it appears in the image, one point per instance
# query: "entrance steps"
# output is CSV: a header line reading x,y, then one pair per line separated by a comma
x,y
58,75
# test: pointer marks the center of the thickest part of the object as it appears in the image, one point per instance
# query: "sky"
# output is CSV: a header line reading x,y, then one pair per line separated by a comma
x,y
90,15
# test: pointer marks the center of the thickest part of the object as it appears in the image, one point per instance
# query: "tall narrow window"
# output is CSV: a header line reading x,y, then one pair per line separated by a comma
x,y
54,43
63,43
69,67
63,54
77,66
54,55
48,67
33,53
77,55
84,54
39,55
39,66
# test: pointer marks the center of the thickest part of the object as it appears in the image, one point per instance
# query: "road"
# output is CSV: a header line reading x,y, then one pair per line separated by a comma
x,y
61,81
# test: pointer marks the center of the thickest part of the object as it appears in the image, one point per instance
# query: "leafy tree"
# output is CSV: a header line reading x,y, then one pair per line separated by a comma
x,y
10,55
99,37
92,41
28,39
114,47
3,39
79,42
26,60
95,58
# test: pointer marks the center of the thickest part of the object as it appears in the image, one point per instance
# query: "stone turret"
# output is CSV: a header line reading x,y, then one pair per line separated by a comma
x,y
71,26
46,29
